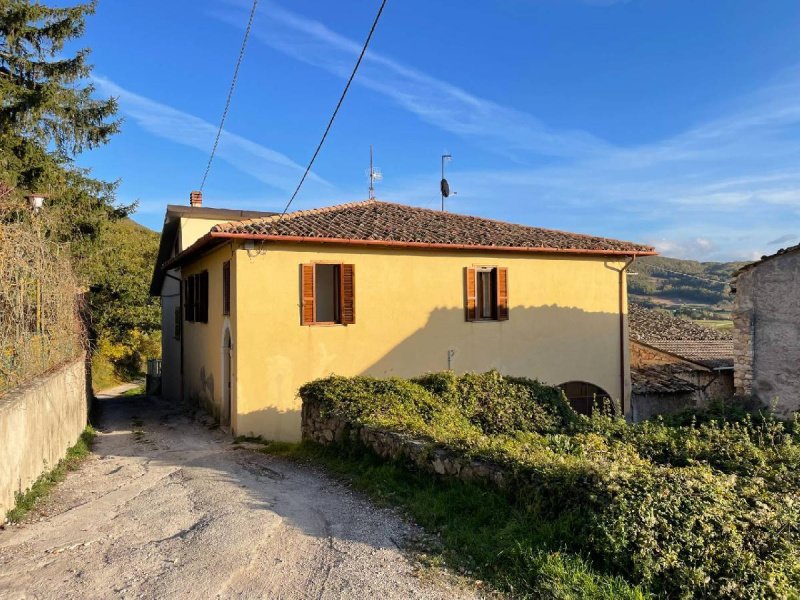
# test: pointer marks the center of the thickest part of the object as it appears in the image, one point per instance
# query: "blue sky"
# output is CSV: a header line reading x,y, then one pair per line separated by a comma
x,y
670,122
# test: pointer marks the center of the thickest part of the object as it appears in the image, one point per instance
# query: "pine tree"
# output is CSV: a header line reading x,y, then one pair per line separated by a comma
x,y
47,113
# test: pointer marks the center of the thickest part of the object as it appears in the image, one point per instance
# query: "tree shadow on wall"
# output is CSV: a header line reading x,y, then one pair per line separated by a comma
x,y
551,343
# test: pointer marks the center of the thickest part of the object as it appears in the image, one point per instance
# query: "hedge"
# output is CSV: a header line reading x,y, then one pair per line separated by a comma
x,y
707,509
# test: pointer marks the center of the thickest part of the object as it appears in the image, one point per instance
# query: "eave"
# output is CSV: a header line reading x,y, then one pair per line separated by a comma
x,y
215,238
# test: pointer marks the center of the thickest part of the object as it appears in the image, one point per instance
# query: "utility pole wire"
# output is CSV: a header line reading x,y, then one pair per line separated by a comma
x,y
336,110
230,93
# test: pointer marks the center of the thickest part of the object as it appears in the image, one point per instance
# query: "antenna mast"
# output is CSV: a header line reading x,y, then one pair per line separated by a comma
x,y
444,186
373,175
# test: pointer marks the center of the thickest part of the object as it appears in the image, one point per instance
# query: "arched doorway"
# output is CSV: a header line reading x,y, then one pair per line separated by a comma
x,y
225,412
584,396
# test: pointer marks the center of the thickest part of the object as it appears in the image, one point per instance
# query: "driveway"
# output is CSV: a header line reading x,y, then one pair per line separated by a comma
x,y
167,508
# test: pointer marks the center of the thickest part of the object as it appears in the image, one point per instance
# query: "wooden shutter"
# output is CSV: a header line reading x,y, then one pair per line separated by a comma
x,y
307,309
471,295
348,294
188,300
203,297
502,294
226,287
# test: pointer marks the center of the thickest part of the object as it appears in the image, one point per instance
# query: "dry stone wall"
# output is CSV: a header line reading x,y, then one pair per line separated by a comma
x,y
395,446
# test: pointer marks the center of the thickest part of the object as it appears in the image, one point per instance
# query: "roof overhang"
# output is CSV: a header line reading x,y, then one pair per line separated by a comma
x,y
172,220
215,238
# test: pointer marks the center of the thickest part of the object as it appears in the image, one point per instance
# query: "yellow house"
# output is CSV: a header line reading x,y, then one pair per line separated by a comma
x,y
382,289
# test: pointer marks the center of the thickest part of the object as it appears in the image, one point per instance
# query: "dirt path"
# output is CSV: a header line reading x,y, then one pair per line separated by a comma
x,y
168,509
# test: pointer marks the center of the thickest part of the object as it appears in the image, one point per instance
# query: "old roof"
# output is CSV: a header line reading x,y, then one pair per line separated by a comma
x,y
385,223
780,252
709,347
716,354
661,379
170,230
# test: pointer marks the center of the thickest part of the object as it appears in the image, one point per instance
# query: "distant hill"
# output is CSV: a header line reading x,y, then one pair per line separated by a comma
x,y
698,290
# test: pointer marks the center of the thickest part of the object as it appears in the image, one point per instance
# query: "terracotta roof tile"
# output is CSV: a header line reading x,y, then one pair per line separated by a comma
x,y
661,379
378,221
710,347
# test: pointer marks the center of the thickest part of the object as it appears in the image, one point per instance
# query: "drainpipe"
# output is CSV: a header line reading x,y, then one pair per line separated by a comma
x,y
622,338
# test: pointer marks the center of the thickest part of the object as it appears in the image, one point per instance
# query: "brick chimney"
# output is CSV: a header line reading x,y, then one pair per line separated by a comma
x,y
196,199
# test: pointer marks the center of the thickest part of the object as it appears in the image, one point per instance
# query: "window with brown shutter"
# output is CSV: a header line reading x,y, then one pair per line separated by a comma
x,y
327,294
188,298
226,287
486,293
196,298
202,303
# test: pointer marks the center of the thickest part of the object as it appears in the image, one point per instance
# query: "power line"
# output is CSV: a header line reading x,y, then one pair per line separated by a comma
x,y
336,110
230,93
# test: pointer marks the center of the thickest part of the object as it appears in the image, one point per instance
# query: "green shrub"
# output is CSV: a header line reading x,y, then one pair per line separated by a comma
x,y
705,509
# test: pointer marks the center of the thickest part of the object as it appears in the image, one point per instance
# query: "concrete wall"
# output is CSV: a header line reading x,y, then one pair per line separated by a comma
x,y
766,320
170,345
37,425
563,325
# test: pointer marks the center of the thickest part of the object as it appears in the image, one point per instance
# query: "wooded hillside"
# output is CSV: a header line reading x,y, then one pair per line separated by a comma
x,y
698,290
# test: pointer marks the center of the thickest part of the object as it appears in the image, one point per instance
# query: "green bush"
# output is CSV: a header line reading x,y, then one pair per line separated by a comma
x,y
706,509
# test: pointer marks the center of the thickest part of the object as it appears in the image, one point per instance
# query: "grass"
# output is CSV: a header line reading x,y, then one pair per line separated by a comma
x,y
42,486
137,391
481,534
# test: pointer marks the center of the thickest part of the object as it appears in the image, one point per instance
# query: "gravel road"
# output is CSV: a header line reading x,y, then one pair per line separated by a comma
x,y
166,508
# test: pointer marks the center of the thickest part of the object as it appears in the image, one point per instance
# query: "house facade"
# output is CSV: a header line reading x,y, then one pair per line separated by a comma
x,y
183,225
766,318
381,289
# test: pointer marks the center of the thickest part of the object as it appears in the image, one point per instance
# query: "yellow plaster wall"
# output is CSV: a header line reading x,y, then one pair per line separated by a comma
x,y
193,228
202,342
564,324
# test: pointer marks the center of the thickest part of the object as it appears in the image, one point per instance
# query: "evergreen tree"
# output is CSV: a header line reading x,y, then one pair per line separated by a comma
x,y
48,113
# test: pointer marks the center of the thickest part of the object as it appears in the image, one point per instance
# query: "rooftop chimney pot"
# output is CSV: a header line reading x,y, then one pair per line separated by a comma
x,y
196,198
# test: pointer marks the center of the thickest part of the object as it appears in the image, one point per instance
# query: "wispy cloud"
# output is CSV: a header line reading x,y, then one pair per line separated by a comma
x,y
715,191
436,102
784,239
267,165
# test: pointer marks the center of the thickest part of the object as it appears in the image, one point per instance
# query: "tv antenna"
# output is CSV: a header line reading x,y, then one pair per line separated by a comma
x,y
444,186
373,174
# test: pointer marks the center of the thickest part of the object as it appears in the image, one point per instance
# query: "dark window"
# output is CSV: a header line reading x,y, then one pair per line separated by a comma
x,y
487,296
196,298
188,298
177,332
328,294
327,298
584,397
226,287
486,293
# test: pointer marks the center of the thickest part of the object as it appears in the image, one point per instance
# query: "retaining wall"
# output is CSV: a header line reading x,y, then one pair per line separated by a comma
x,y
38,422
396,446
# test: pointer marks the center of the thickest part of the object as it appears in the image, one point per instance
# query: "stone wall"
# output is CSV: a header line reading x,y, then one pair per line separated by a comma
x,y
396,446
766,318
38,423
643,355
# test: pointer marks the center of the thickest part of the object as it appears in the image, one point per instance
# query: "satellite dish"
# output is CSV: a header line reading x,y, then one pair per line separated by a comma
x,y
445,188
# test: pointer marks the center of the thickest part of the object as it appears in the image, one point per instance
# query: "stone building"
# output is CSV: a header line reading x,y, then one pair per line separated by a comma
x,y
766,320
676,364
